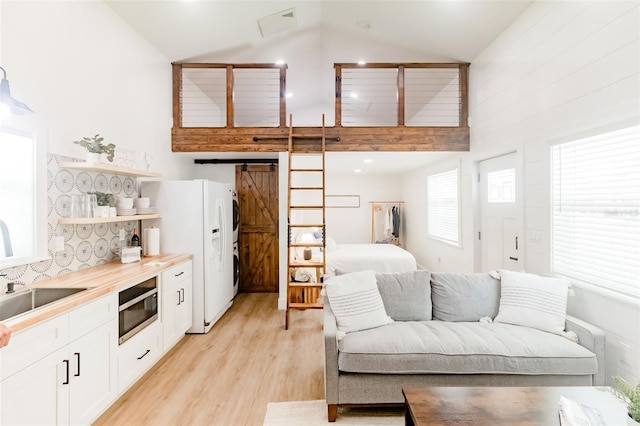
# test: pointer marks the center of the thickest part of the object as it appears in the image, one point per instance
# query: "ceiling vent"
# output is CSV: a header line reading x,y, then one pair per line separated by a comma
x,y
281,21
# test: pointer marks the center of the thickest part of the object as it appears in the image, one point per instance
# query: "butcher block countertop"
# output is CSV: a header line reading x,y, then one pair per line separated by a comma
x,y
101,280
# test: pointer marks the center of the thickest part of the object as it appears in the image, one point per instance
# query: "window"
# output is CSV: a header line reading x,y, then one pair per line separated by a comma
x,y
501,186
17,192
595,221
442,207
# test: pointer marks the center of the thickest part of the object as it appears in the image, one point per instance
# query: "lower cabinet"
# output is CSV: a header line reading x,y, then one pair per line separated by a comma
x,y
138,354
176,311
71,385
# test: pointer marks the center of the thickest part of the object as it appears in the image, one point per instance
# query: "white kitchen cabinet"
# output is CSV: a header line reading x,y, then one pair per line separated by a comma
x,y
38,394
93,376
138,354
176,303
60,373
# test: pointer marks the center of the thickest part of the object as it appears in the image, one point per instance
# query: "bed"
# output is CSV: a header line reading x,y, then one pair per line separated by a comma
x,y
376,257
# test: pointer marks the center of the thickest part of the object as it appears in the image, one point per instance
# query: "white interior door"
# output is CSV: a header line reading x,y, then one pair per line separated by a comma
x,y
500,214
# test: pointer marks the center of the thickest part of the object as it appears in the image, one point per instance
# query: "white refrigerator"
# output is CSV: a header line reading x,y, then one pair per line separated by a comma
x,y
197,219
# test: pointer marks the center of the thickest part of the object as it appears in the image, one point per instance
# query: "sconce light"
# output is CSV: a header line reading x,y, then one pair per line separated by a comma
x,y
13,105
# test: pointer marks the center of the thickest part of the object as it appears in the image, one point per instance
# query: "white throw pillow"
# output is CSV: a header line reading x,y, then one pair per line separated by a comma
x,y
356,301
533,301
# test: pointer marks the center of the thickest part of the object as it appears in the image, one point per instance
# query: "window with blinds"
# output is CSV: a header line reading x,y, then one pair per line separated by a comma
x,y
432,97
370,97
595,220
443,207
256,97
203,97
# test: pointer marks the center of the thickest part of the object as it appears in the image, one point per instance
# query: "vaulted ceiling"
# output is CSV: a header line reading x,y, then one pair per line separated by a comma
x,y
319,34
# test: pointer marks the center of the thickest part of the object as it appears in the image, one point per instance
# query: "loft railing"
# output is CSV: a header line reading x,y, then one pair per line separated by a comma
x,y
387,107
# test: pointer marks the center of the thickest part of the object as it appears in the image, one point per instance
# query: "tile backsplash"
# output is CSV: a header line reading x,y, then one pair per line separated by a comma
x,y
84,245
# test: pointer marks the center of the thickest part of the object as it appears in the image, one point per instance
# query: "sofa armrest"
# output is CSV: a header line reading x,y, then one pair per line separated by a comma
x,y
330,354
592,338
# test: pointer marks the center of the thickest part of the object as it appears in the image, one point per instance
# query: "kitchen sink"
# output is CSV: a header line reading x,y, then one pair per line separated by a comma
x,y
23,301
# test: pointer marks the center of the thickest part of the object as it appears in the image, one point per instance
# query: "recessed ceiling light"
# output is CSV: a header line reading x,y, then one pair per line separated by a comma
x,y
368,160
353,95
288,94
357,171
280,62
361,62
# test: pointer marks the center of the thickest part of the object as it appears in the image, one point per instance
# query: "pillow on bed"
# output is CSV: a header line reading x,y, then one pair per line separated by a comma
x,y
356,302
533,301
331,244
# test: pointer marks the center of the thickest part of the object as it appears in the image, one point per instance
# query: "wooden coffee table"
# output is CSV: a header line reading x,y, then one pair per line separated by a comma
x,y
504,405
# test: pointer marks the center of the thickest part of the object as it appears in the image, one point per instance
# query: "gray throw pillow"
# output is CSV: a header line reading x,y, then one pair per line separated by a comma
x,y
406,295
464,296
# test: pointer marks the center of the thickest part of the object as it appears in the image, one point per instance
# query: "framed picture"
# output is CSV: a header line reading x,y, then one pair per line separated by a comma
x,y
342,201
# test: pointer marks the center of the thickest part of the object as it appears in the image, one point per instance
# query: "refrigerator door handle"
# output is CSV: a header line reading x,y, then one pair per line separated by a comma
x,y
221,243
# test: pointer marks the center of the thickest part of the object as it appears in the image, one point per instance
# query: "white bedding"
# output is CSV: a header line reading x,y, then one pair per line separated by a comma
x,y
375,257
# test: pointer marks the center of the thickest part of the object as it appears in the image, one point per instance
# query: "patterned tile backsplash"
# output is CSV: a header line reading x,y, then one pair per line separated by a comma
x,y
84,245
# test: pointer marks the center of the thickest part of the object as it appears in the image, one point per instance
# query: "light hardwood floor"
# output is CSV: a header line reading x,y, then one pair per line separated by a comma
x,y
228,376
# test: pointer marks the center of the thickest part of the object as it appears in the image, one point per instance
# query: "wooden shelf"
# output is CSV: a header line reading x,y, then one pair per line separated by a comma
x,y
93,220
107,168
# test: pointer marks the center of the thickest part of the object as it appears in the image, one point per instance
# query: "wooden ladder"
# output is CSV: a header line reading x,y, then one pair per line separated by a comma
x,y
305,217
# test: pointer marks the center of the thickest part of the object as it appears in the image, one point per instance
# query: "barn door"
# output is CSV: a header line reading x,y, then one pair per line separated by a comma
x,y
257,188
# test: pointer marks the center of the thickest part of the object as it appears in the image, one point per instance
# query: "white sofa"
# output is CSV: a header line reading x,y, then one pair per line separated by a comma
x,y
437,339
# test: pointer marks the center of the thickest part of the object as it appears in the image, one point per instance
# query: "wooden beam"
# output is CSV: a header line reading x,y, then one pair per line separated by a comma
x,y
338,103
464,95
351,139
230,117
400,95
177,79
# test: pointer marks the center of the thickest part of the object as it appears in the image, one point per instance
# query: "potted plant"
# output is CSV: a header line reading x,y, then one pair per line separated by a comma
x,y
631,396
95,148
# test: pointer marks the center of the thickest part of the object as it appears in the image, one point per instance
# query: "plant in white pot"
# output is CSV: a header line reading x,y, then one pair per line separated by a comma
x,y
631,396
95,148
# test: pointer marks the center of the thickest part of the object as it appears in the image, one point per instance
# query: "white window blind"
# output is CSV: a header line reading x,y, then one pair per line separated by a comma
x,y
442,206
596,210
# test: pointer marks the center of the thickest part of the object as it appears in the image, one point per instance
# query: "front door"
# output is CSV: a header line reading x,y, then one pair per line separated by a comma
x,y
257,188
500,214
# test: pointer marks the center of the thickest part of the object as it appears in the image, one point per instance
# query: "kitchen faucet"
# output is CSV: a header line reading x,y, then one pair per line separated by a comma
x,y
6,239
10,286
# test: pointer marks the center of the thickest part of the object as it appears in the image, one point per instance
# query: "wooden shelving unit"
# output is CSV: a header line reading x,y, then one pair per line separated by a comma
x,y
108,168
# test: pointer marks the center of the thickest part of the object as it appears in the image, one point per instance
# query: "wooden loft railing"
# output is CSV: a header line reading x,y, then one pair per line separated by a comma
x,y
242,108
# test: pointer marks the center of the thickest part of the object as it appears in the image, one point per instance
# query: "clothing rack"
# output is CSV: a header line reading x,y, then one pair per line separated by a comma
x,y
383,207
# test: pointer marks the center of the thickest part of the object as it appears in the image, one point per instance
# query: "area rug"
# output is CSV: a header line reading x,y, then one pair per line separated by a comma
x,y
312,413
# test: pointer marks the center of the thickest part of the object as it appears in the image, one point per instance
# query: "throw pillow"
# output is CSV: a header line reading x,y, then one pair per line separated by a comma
x,y
406,295
458,296
533,301
356,302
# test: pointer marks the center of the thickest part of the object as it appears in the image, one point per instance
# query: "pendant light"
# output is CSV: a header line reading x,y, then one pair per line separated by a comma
x,y
7,101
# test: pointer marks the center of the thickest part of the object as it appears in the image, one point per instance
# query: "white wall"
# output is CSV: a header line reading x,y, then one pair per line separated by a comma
x,y
84,71
562,70
353,225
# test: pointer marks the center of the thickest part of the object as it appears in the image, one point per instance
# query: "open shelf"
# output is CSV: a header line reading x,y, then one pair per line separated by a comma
x,y
107,168
92,220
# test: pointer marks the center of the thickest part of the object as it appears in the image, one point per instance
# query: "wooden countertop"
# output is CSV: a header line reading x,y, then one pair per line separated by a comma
x,y
101,280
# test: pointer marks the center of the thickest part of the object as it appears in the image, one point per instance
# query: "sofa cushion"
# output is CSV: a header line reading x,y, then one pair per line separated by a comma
x,y
438,347
356,301
533,301
464,296
406,295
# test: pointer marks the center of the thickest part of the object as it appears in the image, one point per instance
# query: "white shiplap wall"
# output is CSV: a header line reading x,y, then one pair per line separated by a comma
x,y
564,69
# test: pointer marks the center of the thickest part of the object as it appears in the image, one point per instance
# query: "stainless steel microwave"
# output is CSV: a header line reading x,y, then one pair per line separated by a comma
x,y
138,307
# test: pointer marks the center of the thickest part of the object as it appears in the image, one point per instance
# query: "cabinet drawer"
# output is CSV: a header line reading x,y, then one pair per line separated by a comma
x,y
92,315
138,354
33,344
176,273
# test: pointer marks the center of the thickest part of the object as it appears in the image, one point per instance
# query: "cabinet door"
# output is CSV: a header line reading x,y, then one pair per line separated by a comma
x,y
93,373
39,394
176,311
184,318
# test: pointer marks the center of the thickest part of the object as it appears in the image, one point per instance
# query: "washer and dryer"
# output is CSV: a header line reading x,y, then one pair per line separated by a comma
x,y
236,247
